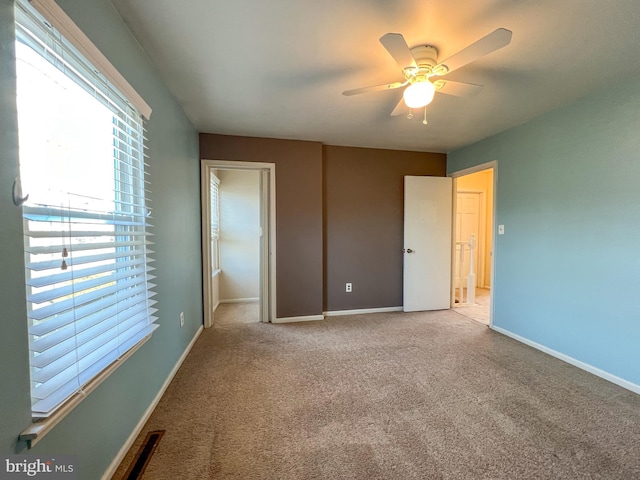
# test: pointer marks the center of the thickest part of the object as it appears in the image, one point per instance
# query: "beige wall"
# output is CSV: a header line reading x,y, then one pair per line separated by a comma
x,y
482,181
239,234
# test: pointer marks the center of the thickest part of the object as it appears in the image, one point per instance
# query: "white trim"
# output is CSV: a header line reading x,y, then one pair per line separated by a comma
x,y
494,241
475,169
207,274
338,313
50,10
115,463
215,307
240,300
576,363
308,318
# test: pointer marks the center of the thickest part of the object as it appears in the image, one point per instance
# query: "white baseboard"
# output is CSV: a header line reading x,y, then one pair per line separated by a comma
x,y
240,300
576,363
337,313
308,318
115,463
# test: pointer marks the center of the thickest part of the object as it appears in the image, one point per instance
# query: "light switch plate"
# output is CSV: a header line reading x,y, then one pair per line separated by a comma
x,y
500,229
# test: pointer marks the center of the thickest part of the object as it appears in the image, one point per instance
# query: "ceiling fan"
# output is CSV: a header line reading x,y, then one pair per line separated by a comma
x,y
423,74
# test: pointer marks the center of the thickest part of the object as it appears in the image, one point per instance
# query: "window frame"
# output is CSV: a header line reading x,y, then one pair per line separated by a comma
x,y
53,16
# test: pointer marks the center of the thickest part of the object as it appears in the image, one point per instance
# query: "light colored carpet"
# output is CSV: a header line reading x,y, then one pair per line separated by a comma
x,y
387,396
236,313
480,311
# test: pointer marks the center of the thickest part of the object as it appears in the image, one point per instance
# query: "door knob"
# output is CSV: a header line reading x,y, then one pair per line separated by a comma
x,y
408,250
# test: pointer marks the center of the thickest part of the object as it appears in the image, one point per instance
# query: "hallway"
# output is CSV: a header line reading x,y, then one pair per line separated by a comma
x,y
481,310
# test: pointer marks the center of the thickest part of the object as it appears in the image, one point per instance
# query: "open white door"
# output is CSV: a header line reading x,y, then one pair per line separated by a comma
x,y
427,243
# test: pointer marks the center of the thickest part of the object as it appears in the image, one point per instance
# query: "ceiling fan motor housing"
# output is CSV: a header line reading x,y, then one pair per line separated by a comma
x,y
425,56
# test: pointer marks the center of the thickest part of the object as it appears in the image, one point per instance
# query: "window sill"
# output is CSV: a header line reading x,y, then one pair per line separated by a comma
x,y
40,427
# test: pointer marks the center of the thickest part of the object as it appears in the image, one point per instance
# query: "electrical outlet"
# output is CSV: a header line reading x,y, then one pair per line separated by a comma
x,y
348,287
181,319
500,229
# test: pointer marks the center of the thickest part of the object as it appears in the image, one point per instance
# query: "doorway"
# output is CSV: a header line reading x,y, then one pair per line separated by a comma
x,y
474,207
238,246
238,237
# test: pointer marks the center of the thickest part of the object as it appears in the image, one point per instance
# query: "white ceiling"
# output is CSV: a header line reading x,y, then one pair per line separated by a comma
x,y
277,68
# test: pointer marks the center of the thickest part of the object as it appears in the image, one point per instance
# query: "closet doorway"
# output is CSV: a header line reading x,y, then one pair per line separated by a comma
x,y
238,218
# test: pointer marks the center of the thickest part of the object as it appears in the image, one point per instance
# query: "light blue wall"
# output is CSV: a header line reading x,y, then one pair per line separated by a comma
x,y
567,270
97,429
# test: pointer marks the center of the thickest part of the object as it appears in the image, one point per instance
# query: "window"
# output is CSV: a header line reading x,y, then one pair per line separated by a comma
x,y
89,297
214,187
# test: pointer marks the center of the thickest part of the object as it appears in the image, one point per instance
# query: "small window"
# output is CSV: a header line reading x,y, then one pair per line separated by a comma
x,y
89,297
214,187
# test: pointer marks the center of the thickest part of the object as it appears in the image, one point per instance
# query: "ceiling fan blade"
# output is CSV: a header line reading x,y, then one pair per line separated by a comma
x,y
398,49
375,88
401,108
459,89
495,40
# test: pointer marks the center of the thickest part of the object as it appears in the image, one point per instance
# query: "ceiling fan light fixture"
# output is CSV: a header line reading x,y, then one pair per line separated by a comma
x,y
419,94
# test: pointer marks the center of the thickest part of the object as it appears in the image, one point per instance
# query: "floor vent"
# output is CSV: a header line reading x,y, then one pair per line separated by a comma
x,y
143,457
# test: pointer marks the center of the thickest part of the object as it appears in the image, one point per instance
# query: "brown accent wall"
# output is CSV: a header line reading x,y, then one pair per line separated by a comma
x,y
298,213
363,222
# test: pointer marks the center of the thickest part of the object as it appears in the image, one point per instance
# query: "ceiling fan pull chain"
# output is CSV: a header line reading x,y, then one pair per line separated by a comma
x,y
410,116
425,116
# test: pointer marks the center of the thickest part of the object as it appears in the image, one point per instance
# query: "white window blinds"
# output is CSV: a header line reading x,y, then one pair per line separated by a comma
x,y
215,206
89,295
214,195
